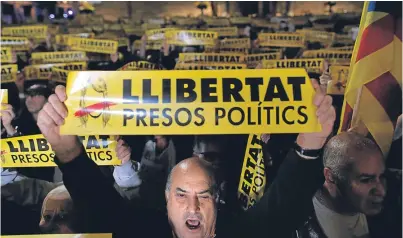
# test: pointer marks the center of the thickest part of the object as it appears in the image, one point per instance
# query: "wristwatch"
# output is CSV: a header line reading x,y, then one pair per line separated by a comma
x,y
307,152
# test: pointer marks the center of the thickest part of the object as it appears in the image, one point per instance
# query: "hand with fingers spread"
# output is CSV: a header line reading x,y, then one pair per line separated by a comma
x,y
123,151
7,116
50,118
326,116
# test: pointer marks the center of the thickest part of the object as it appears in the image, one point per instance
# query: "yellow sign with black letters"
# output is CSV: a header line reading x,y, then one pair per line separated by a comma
x,y
8,73
58,57
187,37
93,45
339,76
282,39
311,65
44,71
35,151
190,101
16,43
225,31
7,55
333,56
211,58
35,31
210,66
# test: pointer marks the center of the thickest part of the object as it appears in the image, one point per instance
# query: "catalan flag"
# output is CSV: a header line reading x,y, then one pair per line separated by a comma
x,y
373,97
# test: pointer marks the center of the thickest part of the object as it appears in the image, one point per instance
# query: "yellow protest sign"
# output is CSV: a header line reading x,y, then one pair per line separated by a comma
x,y
16,43
187,37
255,58
253,176
44,71
93,45
59,75
318,36
240,20
59,56
344,39
225,31
62,39
7,55
342,48
282,39
339,76
3,98
311,65
35,151
190,101
149,26
217,21
62,236
123,41
201,66
8,73
263,23
35,31
158,34
211,57
140,65
131,30
334,56
234,49
237,42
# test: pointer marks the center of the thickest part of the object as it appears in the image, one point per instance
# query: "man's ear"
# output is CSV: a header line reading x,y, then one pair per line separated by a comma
x,y
329,178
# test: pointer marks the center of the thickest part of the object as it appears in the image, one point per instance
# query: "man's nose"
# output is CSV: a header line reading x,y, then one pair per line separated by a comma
x,y
380,189
193,204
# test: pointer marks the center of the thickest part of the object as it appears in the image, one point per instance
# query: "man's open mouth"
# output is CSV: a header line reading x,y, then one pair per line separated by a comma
x,y
192,224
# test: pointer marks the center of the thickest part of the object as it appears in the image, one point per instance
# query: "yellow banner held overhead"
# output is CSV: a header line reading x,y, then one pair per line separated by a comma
x,y
263,23
342,48
211,58
253,176
150,26
225,31
318,36
3,98
35,31
334,56
210,66
59,75
217,21
237,42
282,39
62,39
158,34
44,71
252,58
234,49
190,101
140,65
93,45
187,37
311,65
57,57
63,236
35,151
130,30
240,20
339,76
344,39
8,73
7,55
16,43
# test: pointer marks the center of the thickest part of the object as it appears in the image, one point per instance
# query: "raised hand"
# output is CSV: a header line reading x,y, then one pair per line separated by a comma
x,y
123,151
7,116
50,118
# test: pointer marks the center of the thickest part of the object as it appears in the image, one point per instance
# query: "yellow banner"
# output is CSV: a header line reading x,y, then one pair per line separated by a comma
x,y
7,55
16,43
123,41
130,30
344,39
62,39
282,39
259,57
93,45
339,76
190,101
35,151
225,31
238,42
262,23
36,31
311,65
63,236
8,73
342,48
201,66
240,20
57,57
334,56
217,21
211,58
318,36
44,71
140,65
253,176
3,98
234,49
59,75
150,26
185,37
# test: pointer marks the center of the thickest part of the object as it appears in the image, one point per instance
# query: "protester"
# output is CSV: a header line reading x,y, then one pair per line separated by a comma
x,y
353,196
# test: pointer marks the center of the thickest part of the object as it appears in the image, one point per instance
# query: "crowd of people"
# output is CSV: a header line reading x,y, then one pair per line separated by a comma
x,y
321,184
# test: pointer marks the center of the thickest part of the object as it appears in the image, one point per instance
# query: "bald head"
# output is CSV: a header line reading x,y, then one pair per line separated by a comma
x,y
345,149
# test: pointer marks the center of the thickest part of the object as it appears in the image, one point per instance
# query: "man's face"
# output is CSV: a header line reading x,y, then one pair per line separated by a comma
x,y
366,187
35,103
54,210
161,143
190,203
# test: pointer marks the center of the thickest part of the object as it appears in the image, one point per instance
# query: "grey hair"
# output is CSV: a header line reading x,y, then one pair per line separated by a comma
x,y
206,168
338,151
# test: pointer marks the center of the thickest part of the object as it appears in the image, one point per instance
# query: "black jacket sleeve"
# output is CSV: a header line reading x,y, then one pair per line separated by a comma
x,y
286,203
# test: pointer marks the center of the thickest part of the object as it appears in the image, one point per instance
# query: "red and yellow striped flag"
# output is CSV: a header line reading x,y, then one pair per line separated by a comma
x,y
373,97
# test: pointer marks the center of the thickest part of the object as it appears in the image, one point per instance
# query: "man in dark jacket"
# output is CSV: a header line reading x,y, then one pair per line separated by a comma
x,y
353,202
273,216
